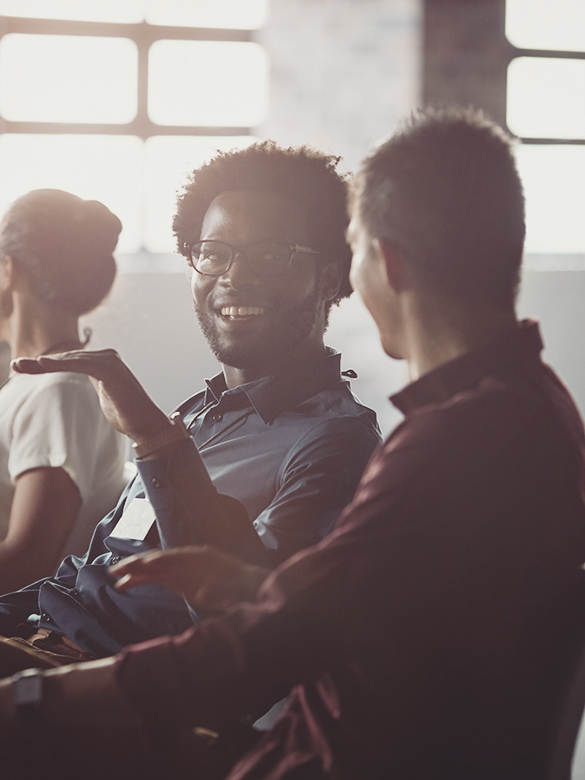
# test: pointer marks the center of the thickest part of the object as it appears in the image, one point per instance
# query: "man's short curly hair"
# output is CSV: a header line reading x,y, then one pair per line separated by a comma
x,y
304,175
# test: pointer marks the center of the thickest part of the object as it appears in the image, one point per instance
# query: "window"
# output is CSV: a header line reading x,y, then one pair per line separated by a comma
x,y
546,109
118,99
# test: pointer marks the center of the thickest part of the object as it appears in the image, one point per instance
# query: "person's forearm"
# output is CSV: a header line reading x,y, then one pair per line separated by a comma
x,y
181,493
44,508
246,660
190,511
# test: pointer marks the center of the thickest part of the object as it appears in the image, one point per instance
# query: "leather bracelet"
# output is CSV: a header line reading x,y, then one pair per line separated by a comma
x,y
27,692
176,432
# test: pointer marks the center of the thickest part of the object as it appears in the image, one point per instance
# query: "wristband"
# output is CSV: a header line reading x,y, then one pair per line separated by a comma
x,y
177,432
27,692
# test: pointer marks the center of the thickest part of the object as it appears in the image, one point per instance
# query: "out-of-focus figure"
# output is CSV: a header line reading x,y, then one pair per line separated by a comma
x,y
61,464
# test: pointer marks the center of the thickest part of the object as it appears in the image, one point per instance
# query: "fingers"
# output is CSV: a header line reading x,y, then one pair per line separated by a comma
x,y
129,581
146,562
134,570
99,364
168,567
125,403
206,577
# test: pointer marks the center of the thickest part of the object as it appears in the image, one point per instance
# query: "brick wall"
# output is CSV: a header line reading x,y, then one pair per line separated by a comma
x,y
343,72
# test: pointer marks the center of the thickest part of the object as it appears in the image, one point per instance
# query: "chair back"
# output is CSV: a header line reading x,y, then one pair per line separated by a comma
x,y
568,745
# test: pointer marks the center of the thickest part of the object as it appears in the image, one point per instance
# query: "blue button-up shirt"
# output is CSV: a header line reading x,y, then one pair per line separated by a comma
x,y
290,448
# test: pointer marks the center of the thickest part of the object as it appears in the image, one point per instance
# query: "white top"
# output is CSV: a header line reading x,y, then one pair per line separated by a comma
x,y
55,420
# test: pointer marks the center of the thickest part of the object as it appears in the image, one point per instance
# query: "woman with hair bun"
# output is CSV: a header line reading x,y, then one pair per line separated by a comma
x,y
61,464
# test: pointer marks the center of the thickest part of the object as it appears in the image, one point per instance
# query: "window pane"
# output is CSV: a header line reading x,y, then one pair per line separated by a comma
x,y
545,98
215,84
554,183
80,10
168,161
232,14
243,14
106,168
62,78
543,24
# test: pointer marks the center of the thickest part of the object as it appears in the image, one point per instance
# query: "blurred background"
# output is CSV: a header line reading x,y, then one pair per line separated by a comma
x,y
118,99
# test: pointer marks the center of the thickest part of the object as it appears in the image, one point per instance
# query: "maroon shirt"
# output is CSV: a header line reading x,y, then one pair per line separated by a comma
x,y
425,637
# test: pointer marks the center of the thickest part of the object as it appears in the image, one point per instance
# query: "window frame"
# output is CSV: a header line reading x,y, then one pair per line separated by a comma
x,y
143,36
513,53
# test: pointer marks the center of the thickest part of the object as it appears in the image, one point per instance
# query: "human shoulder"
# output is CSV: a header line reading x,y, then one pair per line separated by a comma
x,y
494,420
33,391
324,432
58,381
336,403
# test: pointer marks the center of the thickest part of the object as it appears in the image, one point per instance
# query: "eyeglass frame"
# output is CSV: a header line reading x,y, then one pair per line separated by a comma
x,y
240,249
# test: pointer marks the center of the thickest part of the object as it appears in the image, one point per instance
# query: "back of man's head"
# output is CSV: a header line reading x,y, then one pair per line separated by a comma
x,y
445,190
301,174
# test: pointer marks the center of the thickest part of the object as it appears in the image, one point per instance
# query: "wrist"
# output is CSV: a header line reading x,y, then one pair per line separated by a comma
x,y
173,432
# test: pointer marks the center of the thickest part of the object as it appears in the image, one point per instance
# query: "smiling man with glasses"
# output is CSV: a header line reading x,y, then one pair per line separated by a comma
x,y
277,430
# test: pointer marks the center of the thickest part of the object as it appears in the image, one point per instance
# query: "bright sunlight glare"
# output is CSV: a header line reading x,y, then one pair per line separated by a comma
x,y
96,167
207,83
244,14
168,161
545,98
546,24
63,78
554,184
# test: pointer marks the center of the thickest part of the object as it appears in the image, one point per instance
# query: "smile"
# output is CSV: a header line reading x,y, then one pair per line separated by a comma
x,y
242,311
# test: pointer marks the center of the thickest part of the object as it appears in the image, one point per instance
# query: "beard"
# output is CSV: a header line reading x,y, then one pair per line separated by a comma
x,y
292,329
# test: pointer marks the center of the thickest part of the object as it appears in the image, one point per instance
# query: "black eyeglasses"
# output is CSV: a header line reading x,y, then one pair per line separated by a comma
x,y
214,258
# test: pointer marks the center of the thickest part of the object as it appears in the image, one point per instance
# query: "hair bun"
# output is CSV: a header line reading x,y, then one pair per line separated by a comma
x,y
66,224
97,225
65,244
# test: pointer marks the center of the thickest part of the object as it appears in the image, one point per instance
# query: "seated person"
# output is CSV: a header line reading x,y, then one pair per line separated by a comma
x,y
61,464
263,231
426,637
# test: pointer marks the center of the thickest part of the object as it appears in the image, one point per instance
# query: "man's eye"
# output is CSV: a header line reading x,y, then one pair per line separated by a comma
x,y
272,256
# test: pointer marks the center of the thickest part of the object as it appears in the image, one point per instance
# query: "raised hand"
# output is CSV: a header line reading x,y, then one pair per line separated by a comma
x,y
125,403
205,576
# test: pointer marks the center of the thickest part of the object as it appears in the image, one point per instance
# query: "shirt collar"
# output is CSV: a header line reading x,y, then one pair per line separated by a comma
x,y
272,395
466,371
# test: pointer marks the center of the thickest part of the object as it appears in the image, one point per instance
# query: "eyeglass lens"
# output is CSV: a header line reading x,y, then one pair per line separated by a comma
x,y
214,257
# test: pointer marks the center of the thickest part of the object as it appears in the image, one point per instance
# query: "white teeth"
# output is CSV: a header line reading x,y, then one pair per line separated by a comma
x,y
241,311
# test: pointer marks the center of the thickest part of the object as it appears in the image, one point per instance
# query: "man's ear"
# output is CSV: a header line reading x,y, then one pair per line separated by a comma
x,y
8,273
393,262
330,281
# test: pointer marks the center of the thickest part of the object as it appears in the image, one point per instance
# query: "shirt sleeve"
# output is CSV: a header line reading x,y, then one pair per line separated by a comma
x,y
316,482
189,510
56,427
